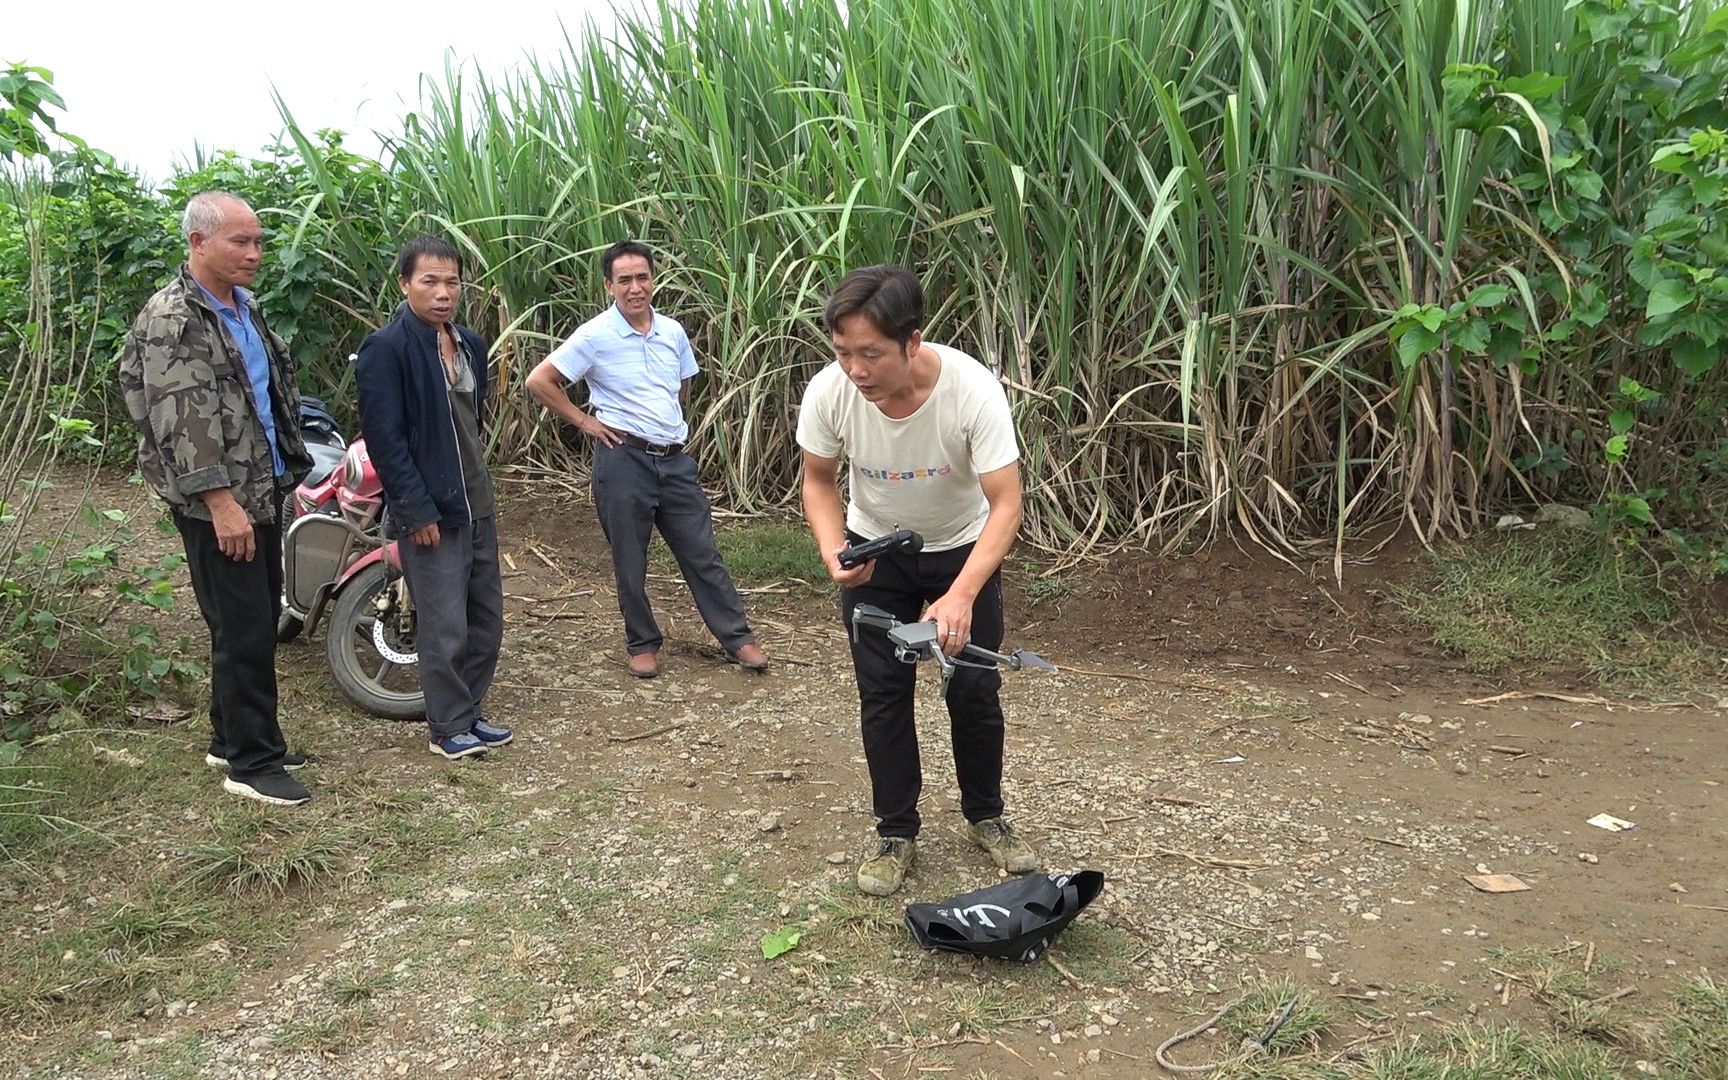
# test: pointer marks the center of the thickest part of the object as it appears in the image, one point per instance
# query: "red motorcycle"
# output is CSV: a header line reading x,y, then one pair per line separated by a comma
x,y
339,561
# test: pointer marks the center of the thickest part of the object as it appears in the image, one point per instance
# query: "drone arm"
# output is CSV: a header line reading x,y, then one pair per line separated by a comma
x,y
1007,660
871,615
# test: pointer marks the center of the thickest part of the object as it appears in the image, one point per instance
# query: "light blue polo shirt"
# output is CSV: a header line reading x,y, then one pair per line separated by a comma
x,y
251,344
633,378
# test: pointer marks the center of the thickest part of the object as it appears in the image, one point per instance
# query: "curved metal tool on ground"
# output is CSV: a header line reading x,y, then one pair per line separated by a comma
x,y
917,641
1250,1047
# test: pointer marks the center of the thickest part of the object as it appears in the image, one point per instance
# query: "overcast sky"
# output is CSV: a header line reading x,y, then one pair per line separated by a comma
x,y
148,82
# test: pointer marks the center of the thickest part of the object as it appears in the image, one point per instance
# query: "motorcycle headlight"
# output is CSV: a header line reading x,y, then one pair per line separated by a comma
x,y
351,471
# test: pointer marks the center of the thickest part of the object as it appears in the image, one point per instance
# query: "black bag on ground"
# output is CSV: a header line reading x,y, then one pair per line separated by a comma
x,y
1013,920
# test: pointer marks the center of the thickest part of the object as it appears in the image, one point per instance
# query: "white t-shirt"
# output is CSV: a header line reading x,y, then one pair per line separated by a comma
x,y
919,473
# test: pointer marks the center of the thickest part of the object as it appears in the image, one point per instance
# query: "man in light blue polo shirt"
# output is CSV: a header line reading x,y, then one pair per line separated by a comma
x,y
638,365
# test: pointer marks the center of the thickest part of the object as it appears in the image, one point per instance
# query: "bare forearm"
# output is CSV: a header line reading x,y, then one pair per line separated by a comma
x,y
218,498
556,401
823,513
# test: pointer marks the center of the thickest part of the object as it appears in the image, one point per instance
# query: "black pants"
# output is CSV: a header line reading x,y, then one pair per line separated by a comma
x,y
459,602
240,602
636,492
902,584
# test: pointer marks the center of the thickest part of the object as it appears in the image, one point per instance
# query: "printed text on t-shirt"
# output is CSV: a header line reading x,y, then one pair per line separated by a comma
x,y
904,474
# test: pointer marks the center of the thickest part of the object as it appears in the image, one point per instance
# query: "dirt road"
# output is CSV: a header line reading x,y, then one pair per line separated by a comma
x,y
1275,779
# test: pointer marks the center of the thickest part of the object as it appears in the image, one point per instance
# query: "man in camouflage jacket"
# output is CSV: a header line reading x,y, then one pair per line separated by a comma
x,y
212,393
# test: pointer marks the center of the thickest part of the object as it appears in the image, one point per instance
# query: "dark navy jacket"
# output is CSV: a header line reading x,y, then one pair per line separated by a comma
x,y
405,419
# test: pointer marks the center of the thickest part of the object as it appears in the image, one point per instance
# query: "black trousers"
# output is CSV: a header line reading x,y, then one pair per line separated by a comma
x,y
240,602
902,584
636,492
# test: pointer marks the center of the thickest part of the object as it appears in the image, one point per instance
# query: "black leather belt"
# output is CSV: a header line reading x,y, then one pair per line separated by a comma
x,y
652,449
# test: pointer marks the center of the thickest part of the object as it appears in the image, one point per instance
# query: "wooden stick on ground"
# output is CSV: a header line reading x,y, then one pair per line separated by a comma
x,y
1517,695
1211,860
1160,680
1233,922
1064,972
1016,1053
644,734
1624,991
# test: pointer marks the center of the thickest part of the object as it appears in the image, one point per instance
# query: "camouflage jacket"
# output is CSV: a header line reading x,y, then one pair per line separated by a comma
x,y
186,387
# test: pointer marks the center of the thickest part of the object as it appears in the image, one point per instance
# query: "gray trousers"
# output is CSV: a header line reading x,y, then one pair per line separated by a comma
x,y
459,611
635,492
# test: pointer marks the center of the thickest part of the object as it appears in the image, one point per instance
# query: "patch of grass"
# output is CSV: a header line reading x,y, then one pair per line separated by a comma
x,y
858,917
1042,586
1263,1003
263,862
1697,1032
758,552
978,1010
1555,600
1518,1054
182,1057
91,1054
1097,952
1430,995
508,1000
1555,979
328,1031
156,919
357,986
50,800
1600,1022
153,937
1463,1053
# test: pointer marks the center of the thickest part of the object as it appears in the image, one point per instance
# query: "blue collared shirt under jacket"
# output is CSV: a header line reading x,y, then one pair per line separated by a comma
x,y
251,345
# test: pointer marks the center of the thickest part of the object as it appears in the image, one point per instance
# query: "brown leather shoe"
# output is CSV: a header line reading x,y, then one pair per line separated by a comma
x,y
751,657
644,665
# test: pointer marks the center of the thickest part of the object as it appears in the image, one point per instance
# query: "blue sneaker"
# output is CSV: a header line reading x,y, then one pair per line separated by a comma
x,y
491,734
455,746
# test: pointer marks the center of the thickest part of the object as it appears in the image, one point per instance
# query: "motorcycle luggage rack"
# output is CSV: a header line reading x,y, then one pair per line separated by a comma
x,y
329,579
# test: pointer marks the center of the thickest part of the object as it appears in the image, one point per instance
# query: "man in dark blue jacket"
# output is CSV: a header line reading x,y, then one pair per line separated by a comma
x,y
422,382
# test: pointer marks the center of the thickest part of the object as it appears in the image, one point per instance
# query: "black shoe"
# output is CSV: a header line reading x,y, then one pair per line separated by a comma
x,y
290,761
276,789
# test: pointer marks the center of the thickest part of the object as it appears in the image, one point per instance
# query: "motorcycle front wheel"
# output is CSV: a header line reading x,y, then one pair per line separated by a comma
x,y
373,666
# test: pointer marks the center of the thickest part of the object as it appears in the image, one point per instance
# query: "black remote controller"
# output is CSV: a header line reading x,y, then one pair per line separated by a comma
x,y
898,540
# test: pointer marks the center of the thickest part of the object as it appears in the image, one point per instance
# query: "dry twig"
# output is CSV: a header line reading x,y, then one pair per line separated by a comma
x,y
644,734
1159,680
1064,972
1516,695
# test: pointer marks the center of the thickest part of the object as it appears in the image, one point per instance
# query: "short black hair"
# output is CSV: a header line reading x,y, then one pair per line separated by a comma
x,y
428,247
889,296
625,247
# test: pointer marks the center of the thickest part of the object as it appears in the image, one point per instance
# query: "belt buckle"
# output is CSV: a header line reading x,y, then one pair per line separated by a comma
x,y
657,449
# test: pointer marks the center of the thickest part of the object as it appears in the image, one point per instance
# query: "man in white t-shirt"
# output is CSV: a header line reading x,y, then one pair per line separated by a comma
x,y
929,444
